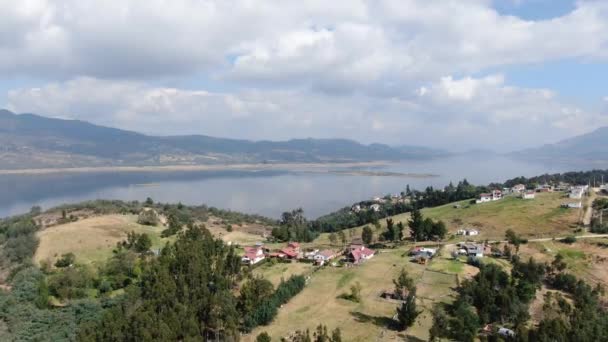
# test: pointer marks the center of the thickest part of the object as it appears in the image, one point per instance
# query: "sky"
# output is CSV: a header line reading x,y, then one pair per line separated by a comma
x,y
453,74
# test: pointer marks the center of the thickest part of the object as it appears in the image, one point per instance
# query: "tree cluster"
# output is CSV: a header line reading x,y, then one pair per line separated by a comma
x,y
424,229
265,308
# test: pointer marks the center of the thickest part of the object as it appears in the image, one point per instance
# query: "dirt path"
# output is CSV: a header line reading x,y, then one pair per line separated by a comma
x,y
589,212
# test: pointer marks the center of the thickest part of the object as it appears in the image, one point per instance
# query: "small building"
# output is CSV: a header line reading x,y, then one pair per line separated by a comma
x,y
253,255
473,249
574,205
375,207
519,188
359,253
356,208
488,197
467,232
324,256
423,251
528,195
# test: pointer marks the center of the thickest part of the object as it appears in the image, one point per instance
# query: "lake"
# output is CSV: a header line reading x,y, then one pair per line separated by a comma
x,y
261,192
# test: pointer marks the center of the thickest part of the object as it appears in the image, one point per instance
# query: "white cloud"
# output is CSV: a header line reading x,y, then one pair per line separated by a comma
x,y
453,112
342,44
386,70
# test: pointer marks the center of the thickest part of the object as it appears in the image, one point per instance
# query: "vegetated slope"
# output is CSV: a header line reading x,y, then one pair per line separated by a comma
x,y
541,217
29,140
586,147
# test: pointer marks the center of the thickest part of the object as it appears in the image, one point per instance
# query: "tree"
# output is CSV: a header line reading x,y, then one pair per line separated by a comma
x,y
403,285
143,243
415,223
149,202
333,238
407,313
342,237
367,235
263,337
440,327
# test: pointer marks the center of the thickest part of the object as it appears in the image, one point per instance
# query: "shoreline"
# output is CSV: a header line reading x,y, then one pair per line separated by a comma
x,y
194,168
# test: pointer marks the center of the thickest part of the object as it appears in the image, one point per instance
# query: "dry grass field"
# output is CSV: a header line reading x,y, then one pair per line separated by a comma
x,y
274,273
91,239
369,320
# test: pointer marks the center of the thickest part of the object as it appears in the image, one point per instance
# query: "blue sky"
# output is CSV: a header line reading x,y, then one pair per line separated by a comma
x,y
376,71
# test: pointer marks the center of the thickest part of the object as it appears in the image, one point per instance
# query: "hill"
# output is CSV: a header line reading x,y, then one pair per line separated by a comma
x,y
33,141
583,148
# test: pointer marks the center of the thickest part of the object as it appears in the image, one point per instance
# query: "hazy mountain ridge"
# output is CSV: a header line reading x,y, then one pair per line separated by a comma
x,y
587,147
32,141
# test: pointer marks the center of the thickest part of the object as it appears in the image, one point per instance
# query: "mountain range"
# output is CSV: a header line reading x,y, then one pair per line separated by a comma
x,y
590,148
34,141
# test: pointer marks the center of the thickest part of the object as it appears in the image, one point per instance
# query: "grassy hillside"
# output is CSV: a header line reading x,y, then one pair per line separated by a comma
x,y
541,217
91,239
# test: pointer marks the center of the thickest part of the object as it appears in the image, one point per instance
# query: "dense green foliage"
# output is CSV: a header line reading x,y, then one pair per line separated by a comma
x,y
367,235
18,241
266,308
491,296
183,294
424,229
394,232
294,226
25,311
574,178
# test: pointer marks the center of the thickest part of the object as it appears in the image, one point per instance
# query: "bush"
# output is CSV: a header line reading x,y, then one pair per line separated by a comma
x,y
148,218
66,260
569,240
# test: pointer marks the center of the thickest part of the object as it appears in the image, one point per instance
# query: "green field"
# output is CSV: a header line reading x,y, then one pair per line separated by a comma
x,y
541,217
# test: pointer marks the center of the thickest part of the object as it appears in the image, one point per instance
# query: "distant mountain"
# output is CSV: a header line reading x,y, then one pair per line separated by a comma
x,y
590,147
33,141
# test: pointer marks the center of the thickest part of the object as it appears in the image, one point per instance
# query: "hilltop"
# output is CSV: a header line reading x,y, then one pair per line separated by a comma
x,y
34,141
588,147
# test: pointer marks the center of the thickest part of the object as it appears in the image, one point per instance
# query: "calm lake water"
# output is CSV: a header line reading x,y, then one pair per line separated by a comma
x,y
262,192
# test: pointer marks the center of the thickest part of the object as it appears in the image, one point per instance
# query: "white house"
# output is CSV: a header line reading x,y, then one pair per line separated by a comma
x,y
468,232
519,188
253,255
493,196
483,198
504,332
356,208
528,195
375,207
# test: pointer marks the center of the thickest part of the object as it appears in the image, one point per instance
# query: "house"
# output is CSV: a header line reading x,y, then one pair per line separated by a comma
x,y
375,207
484,198
324,256
473,249
295,246
518,188
356,208
310,254
493,196
359,253
423,251
577,192
544,188
467,232
528,195
575,205
253,255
